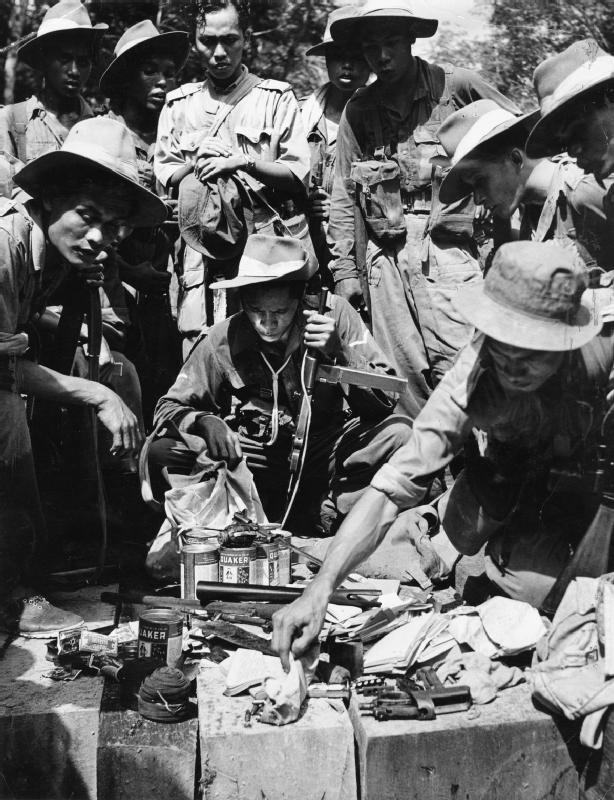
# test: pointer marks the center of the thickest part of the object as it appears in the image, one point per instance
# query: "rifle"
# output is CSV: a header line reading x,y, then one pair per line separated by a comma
x,y
360,249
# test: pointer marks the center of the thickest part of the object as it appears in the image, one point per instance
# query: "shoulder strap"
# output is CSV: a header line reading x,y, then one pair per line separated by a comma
x,y
18,120
250,83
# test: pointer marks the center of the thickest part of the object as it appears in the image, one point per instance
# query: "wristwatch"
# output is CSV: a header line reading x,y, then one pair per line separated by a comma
x,y
250,163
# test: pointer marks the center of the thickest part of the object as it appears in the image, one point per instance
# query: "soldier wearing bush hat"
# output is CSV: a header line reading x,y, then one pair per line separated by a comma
x,y
63,49
388,230
256,357
533,382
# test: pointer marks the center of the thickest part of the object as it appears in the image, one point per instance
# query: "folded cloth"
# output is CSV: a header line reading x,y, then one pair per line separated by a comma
x,y
485,678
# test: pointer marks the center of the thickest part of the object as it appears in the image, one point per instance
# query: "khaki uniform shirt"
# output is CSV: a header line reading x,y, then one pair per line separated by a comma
x,y
265,124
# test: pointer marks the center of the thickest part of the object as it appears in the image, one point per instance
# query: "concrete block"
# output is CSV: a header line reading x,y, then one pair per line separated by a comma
x,y
506,750
143,760
48,730
311,759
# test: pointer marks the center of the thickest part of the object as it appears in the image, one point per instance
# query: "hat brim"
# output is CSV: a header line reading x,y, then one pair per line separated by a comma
x,y
304,273
319,49
34,177
174,43
509,326
422,27
453,187
545,139
31,52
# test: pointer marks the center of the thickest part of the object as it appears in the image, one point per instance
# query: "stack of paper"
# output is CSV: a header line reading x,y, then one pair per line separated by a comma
x,y
401,647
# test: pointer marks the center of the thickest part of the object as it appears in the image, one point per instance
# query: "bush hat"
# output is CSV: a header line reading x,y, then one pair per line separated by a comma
x,y
467,129
532,298
67,16
98,144
270,258
137,43
345,12
422,27
562,83
212,216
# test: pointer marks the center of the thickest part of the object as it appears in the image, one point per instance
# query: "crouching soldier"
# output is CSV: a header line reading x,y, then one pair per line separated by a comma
x,y
523,398
85,195
255,358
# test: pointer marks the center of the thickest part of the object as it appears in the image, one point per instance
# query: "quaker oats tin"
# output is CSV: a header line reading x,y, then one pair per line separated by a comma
x,y
198,535
199,562
161,635
271,552
237,564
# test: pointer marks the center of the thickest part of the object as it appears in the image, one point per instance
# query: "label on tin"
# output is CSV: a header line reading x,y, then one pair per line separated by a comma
x,y
161,638
236,567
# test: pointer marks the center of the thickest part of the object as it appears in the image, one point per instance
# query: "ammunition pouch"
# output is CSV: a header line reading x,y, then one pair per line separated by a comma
x,y
378,192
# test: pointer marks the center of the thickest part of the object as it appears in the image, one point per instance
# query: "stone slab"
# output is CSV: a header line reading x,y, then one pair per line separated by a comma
x,y
311,759
500,751
140,759
48,730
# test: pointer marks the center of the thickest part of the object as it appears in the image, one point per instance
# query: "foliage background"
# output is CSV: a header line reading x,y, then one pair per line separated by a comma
x,y
520,34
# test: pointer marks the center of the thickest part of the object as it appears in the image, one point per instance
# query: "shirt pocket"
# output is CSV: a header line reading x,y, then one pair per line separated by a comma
x,y
426,146
189,142
256,140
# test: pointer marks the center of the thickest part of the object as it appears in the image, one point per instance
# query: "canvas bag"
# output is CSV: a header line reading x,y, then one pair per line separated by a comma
x,y
569,673
209,497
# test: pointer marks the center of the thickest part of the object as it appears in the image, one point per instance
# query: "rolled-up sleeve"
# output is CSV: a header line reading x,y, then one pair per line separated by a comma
x,y
438,434
341,231
293,149
168,156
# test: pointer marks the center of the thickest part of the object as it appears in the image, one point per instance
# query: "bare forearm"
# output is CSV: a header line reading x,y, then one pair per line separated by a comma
x,y
63,389
277,176
180,175
360,535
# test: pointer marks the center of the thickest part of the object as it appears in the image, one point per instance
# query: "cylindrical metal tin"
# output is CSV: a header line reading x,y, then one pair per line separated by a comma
x,y
198,536
271,550
161,635
237,564
285,570
199,562
261,567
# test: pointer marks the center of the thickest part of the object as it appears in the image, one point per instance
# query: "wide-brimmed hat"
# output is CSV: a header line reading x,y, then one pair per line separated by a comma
x,y
345,12
212,216
562,83
99,144
533,297
138,42
270,258
67,16
422,27
469,128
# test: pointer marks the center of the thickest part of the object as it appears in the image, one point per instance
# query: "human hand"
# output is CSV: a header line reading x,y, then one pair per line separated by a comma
x,y
351,290
207,169
145,277
296,626
13,344
223,444
318,208
211,146
321,333
121,423
92,275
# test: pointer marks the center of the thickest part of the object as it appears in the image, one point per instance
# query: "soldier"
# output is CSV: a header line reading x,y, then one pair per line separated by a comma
x,y
347,71
142,72
416,251
232,122
85,196
533,385
63,51
239,393
555,198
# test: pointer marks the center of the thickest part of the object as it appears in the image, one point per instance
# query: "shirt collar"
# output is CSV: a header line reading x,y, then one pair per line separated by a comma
x,y
420,91
225,90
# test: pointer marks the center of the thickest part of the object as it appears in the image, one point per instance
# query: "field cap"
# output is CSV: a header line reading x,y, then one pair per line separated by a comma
x,y
562,83
98,144
270,258
67,16
137,43
532,298
467,129
345,12
422,27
